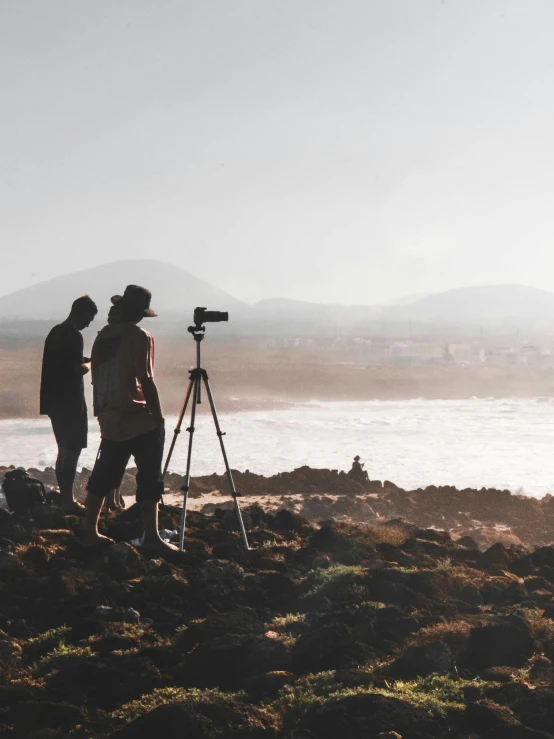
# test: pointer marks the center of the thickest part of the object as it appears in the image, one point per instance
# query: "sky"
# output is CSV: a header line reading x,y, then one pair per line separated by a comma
x,y
338,152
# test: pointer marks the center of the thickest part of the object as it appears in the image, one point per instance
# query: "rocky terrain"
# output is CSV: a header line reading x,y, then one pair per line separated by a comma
x,y
487,515
327,628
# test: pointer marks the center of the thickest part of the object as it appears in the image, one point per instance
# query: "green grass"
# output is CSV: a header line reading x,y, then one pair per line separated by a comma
x,y
65,652
167,696
437,695
339,582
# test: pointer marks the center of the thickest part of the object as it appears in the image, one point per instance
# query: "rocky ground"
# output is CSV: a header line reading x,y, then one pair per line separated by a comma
x,y
486,515
326,629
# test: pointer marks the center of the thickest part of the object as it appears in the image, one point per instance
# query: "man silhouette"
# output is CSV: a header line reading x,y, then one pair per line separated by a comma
x,y
128,408
62,394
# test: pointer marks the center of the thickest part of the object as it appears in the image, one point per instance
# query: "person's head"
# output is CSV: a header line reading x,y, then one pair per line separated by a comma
x,y
83,312
132,306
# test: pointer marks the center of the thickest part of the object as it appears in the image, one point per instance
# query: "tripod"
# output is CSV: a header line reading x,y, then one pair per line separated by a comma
x,y
197,376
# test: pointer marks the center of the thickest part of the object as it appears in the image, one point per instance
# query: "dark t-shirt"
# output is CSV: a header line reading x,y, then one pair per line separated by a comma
x,y
62,390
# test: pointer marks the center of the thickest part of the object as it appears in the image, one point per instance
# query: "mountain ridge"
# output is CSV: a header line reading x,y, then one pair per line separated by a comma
x,y
173,289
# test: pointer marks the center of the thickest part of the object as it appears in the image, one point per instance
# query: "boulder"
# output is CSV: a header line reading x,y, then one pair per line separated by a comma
x,y
227,660
362,716
505,641
419,661
326,648
216,719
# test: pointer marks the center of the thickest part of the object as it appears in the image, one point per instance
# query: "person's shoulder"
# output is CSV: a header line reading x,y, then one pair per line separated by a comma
x,y
61,332
55,330
104,331
141,335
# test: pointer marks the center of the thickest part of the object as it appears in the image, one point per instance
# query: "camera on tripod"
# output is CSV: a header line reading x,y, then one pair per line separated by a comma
x,y
201,315
199,376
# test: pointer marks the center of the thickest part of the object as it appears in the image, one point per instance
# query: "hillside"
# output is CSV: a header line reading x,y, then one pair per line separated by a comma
x,y
483,304
173,290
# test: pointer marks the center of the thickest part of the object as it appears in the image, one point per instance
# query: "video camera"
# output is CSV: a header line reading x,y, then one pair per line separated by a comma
x,y
201,315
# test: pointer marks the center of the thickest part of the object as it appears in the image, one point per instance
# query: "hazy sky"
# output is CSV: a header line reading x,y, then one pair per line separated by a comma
x,y
330,150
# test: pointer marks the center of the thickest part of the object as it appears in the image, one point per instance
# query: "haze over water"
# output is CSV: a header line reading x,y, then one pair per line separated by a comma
x,y
505,443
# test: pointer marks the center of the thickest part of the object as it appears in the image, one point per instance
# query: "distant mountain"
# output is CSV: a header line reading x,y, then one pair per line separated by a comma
x,y
173,291
406,299
486,304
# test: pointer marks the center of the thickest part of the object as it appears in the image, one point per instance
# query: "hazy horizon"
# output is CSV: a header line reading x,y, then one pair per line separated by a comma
x,y
336,153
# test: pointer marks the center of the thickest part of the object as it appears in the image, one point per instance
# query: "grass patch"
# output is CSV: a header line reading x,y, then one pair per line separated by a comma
x,y
166,696
453,633
437,695
281,622
42,644
65,652
337,582
541,628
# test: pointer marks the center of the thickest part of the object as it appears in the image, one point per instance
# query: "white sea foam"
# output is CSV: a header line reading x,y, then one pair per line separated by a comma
x,y
504,443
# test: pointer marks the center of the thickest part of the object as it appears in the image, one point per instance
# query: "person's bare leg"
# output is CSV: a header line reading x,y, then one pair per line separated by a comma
x,y
92,536
152,538
65,474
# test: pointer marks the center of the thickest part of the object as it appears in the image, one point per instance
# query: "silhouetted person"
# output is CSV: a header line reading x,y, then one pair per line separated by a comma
x,y
357,472
115,499
128,408
62,394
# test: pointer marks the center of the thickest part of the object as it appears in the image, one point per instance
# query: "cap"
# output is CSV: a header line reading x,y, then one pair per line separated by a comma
x,y
136,297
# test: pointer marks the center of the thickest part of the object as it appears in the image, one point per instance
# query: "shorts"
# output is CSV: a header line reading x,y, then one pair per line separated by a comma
x,y
70,428
109,468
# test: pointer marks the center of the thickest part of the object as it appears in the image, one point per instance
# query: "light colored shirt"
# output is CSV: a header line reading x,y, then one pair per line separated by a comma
x,y
122,355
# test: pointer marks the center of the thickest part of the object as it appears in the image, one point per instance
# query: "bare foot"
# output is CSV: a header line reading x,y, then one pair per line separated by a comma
x,y
73,508
158,545
96,540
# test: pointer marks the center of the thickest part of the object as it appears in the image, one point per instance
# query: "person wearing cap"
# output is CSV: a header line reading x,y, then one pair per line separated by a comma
x,y
128,408
62,394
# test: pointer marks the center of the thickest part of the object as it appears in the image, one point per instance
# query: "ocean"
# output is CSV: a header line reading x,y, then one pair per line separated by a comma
x,y
502,443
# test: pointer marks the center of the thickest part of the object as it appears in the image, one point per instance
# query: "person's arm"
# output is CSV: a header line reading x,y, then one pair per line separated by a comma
x,y
82,365
150,392
82,369
144,371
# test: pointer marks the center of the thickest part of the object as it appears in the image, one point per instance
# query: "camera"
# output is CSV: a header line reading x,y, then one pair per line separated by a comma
x,y
201,315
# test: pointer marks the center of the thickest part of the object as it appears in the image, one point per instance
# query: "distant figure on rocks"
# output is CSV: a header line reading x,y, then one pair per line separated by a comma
x,y
357,472
129,413
62,394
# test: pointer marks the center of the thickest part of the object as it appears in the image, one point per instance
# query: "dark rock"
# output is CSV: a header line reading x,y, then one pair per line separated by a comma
x,y
468,542
32,715
494,555
325,538
441,537
225,660
505,641
327,648
515,732
484,715
267,685
245,621
362,716
419,661
201,720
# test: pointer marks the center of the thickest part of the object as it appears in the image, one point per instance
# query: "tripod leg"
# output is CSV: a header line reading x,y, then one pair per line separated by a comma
x,y
186,481
178,427
220,436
